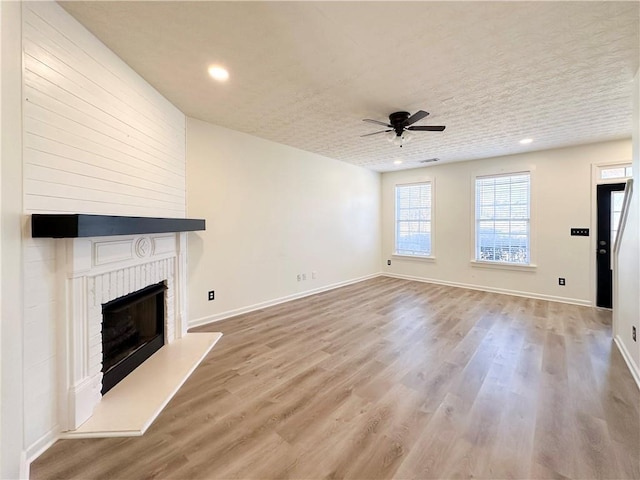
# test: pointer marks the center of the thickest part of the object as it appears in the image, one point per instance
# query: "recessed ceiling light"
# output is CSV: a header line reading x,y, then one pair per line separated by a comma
x,y
219,73
526,141
397,162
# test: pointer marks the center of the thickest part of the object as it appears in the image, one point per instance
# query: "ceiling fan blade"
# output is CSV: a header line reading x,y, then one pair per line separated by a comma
x,y
419,115
376,121
427,128
376,133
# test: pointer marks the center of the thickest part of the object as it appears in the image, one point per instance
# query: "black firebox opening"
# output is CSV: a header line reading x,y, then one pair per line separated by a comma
x,y
132,331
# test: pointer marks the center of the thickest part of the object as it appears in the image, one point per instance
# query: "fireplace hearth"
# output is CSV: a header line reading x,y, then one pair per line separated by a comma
x,y
132,331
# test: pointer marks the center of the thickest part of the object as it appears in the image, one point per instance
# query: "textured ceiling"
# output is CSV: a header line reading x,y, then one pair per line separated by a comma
x,y
306,73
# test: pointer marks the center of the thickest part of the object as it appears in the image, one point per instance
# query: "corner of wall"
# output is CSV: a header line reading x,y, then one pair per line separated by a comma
x,y
626,313
11,327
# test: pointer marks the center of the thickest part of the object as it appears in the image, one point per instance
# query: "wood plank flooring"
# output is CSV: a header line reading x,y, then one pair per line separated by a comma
x,y
389,379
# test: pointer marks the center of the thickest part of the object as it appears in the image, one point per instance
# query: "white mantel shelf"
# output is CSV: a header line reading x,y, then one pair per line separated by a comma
x,y
130,407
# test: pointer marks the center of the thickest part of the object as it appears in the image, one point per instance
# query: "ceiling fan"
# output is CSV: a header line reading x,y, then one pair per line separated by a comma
x,y
402,122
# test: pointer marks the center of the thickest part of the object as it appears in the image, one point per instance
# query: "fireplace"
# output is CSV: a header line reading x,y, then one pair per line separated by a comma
x,y
99,260
132,331
97,272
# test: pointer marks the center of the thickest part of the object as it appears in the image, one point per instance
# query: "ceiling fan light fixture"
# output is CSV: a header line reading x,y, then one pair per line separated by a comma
x,y
401,127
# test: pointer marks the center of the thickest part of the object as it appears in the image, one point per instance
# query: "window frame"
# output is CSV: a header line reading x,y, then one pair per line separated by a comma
x,y
609,166
431,255
475,261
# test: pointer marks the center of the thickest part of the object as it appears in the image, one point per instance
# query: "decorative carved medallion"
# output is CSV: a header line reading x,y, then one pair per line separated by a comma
x,y
143,247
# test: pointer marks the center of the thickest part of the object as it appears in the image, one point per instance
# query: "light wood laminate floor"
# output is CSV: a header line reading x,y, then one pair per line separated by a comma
x,y
389,379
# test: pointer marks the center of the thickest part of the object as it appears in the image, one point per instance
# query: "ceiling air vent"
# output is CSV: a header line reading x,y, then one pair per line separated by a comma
x,y
429,160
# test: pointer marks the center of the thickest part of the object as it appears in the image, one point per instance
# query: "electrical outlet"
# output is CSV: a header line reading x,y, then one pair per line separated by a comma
x,y
561,282
388,262
212,295
633,333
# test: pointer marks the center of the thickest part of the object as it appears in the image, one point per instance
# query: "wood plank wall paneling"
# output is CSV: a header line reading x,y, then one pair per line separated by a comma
x,y
97,137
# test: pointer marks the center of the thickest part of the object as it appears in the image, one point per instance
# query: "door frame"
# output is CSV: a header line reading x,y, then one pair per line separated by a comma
x,y
595,181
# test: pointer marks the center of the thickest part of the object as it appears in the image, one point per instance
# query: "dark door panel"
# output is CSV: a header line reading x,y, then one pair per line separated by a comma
x,y
603,244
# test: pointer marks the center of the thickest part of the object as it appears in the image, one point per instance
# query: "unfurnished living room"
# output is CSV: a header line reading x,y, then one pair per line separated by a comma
x,y
333,239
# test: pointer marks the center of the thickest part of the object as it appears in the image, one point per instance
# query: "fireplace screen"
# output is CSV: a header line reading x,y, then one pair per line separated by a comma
x,y
132,331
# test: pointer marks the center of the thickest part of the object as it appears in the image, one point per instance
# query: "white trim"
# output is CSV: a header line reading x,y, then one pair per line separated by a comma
x,y
276,301
523,267
420,258
38,448
503,291
198,322
633,368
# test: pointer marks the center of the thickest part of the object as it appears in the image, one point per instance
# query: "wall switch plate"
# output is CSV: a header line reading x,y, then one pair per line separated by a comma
x,y
579,232
561,281
212,295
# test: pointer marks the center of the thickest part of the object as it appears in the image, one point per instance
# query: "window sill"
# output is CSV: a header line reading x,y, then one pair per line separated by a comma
x,y
504,266
420,258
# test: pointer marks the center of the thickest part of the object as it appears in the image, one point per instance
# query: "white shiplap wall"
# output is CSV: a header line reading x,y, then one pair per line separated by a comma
x,y
97,139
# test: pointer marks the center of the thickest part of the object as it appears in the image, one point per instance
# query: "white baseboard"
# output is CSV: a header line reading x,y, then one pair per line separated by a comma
x,y
504,291
37,449
270,303
633,368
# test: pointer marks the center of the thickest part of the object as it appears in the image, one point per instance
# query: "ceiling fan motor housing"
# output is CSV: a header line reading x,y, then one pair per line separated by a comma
x,y
398,121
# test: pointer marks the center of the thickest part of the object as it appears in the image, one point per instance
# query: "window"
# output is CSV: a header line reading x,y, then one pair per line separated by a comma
x,y
616,172
413,219
617,199
502,218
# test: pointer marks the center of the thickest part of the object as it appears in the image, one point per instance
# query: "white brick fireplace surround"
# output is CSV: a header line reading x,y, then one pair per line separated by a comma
x,y
94,271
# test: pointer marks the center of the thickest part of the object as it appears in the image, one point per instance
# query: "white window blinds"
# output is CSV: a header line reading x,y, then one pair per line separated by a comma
x,y
502,218
413,219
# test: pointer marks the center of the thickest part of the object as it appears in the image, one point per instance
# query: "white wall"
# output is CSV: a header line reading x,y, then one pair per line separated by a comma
x,y
627,302
11,355
561,196
273,212
97,139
